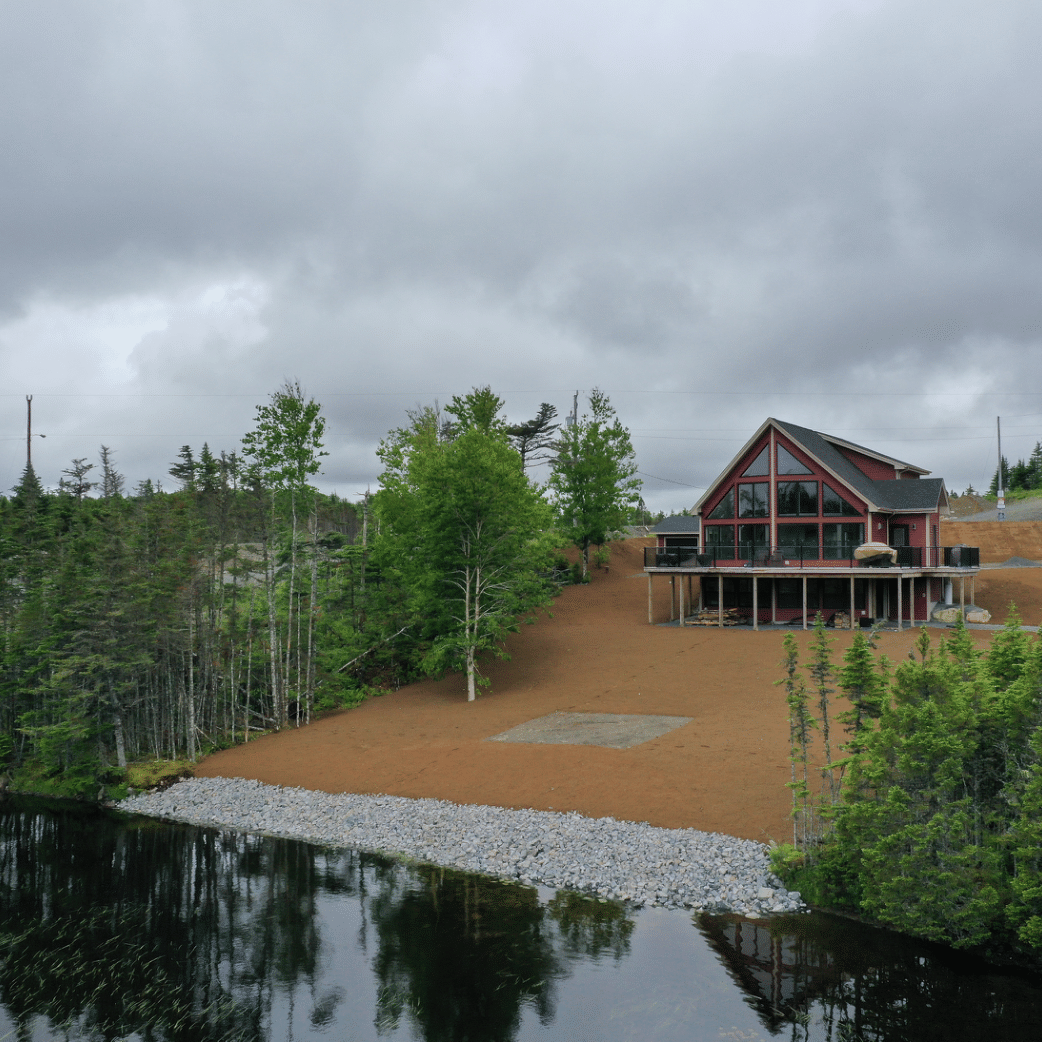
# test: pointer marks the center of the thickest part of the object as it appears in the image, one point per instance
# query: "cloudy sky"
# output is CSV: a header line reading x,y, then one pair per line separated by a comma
x,y
829,211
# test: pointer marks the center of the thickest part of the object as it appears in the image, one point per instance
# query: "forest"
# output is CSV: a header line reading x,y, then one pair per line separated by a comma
x,y
158,624
917,800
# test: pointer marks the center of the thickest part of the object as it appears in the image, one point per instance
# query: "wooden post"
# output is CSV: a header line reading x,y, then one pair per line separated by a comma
x,y
900,608
672,597
719,600
681,595
804,602
973,589
756,604
774,600
650,619
852,602
962,596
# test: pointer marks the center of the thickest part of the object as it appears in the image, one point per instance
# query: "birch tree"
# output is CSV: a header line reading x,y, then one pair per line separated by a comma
x,y
470,535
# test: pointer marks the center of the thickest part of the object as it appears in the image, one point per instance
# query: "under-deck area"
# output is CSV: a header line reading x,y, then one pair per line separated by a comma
x,y
846,592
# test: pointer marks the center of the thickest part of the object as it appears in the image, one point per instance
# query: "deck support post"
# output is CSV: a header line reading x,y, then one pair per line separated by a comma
x,y
900,607
756,604
650,619
852,620
962,596
720,601
672,597
681,595
804,602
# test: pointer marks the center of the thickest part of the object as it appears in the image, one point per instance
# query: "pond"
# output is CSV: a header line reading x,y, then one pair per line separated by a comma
x,y
113,928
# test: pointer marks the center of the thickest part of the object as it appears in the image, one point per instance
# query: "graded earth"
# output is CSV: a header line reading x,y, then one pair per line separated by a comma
x,y
723,771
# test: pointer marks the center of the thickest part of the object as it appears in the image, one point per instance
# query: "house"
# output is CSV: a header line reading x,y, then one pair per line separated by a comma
x,y
680,530
801,522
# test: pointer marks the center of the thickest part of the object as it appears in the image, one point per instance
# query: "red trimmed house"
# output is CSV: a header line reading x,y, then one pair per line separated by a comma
x,y
781,524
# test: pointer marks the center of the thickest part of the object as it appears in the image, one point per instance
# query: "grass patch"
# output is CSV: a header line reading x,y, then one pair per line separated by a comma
x,y
157,774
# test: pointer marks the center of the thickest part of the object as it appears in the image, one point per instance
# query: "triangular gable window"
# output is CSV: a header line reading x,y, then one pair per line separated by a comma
x,y
833,503
760,466
788,464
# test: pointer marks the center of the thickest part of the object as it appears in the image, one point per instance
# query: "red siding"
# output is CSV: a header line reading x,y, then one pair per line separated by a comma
x,y
873,468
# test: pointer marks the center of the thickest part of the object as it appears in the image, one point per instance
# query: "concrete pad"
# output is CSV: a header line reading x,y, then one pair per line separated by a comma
x,y
611,730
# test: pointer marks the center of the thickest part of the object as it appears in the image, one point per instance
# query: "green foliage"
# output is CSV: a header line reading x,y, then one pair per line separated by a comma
x,y
157,774
937,832
464,532
594,480
286,444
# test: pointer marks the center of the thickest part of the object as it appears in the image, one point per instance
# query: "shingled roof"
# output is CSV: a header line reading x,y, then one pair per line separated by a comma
x,y
678,524
919,494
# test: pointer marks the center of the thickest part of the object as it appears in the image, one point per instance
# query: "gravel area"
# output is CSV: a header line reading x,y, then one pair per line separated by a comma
x,y
623,860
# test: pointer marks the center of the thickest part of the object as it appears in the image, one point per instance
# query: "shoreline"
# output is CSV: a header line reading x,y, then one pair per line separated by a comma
x,y
613,860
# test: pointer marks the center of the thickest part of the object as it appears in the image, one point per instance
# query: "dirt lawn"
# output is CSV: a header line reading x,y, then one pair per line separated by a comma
x,y
725,771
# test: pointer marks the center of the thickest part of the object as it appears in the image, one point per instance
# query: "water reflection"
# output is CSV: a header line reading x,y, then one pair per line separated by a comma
x,y
821,977
113,929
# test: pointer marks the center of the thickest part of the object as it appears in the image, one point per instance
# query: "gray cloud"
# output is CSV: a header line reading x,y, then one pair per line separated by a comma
x,y
825,211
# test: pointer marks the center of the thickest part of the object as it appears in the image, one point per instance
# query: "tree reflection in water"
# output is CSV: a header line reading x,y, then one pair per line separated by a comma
x,y
824,978
112,927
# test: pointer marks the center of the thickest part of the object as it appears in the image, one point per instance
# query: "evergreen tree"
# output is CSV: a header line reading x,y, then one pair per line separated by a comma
x,y
184,471
75,482
534,439
111,480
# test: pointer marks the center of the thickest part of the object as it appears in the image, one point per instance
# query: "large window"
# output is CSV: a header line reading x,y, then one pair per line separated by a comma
x,y
798,541
751,539
761,466
788,464
719,539
840,541
752,500
725,508
832,503
798,498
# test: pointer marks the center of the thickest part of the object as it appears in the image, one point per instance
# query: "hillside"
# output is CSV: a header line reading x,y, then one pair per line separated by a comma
x,y
723,772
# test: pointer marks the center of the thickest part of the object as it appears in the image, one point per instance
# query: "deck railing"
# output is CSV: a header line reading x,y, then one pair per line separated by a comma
x,y
828,555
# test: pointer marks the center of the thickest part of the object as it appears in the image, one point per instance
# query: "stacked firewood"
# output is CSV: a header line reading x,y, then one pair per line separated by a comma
x,y
711,617
841,620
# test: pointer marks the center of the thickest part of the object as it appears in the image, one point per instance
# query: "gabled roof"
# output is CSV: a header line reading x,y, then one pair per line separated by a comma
x,y
895,494
678,524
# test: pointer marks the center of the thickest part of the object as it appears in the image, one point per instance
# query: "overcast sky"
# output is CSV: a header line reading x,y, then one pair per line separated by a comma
x,y
829,211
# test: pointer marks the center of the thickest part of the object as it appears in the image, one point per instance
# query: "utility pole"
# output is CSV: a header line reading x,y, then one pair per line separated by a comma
x,y
1001,491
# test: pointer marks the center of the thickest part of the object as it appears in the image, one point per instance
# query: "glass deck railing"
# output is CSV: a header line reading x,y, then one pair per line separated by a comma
x,y
827,555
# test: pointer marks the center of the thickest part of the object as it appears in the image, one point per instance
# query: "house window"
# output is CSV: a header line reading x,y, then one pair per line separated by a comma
x,y
761,466
751,538
798,498
840,541
720,539
798,541
788,464
752,500
725,508
832,503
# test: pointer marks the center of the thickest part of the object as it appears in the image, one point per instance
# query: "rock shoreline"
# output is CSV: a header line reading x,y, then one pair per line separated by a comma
x,y
619,860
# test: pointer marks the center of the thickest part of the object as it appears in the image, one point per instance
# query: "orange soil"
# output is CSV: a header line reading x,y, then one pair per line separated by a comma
x,y
723,772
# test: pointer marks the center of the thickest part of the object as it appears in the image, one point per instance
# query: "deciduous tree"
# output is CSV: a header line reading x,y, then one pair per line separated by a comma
x,y
594,482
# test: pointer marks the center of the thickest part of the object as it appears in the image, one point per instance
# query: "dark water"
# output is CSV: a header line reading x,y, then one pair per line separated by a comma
x,y
112,929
